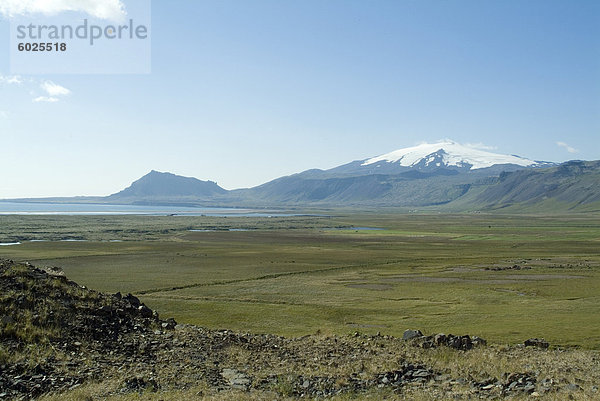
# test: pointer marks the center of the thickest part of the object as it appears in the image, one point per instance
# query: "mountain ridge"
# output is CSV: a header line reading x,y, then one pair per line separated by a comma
x,y
160,185
444,174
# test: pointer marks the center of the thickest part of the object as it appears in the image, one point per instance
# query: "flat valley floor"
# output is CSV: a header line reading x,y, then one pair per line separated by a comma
x,y
505,278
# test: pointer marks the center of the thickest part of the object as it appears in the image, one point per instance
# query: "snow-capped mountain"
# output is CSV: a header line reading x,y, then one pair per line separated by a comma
x,y
446,154
427,174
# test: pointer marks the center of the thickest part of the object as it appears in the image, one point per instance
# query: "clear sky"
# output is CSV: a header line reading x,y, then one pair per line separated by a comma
x,y
242,92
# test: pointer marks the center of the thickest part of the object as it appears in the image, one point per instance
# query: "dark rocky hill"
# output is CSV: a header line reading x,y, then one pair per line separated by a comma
x,y
157,186
51,328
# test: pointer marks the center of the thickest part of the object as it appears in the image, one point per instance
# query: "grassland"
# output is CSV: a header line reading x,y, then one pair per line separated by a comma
x,y
300,275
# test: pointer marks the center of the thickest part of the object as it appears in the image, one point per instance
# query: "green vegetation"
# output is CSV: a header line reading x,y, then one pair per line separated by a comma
x,y
298,275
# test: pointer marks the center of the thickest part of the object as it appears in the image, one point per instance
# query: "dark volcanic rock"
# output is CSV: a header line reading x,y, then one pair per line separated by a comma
x,y
170,324
408,373
145,311
520,382
140,384
464,343
52,311
513,267
536,342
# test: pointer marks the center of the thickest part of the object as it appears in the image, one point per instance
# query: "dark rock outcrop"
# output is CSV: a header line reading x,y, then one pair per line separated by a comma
x,y
536,342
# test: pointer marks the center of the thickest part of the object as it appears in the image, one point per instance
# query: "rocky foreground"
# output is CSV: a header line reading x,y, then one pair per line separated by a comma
x,y
62,341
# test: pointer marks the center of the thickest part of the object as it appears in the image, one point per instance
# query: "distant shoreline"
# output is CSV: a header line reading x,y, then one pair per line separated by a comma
x,y
9,207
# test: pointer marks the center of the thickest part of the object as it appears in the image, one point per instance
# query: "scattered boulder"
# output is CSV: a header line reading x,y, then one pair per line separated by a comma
x,y
464,343
54,271
572,387
140,384
489,384
132,300
235,379
513,267
408,373
145,311
478,341
410,334
520,382
169,324
537,342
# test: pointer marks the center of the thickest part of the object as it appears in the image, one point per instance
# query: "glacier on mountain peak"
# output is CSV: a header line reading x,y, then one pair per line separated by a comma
x,y
448,153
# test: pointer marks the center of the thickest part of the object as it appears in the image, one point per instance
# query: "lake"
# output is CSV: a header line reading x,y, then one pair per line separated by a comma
x,y
84,209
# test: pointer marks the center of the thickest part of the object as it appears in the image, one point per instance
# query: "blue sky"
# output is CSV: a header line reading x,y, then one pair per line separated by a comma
x,y
242,92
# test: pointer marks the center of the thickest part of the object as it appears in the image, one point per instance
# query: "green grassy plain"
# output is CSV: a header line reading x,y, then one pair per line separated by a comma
x,y
298,275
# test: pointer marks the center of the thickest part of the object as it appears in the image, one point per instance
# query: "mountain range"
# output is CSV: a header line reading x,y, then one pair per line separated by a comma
x,y
444,175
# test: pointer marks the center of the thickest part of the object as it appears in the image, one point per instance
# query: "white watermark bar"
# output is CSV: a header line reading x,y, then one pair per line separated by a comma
x,y
77,43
